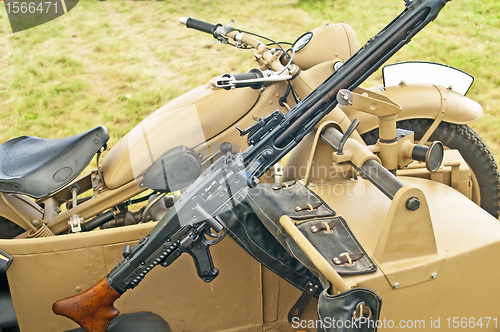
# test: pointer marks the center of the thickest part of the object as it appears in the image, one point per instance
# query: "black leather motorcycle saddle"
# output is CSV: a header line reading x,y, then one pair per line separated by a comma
x,y
137,322
38,167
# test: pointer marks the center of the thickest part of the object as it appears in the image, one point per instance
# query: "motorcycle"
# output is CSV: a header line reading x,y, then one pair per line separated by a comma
x,y
430,108
124,174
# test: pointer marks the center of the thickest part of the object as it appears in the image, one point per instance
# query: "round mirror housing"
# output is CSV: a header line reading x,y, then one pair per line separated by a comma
x,y
302,41
432,155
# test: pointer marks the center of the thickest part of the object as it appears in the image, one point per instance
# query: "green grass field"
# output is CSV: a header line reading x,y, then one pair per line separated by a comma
x,y
74,73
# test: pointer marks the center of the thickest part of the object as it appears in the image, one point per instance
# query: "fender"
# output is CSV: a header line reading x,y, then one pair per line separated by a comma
x,y
422,101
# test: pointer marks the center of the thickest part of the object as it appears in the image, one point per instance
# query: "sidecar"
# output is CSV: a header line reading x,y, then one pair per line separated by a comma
x,y
432,267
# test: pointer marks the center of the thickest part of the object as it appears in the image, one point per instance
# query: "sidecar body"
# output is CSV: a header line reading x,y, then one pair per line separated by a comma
x,y
434,267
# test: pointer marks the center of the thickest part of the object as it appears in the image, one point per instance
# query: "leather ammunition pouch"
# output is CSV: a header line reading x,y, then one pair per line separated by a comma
x,y
255,226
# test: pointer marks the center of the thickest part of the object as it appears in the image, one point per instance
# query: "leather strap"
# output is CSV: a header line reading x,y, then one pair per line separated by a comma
x,y
298,308
308,207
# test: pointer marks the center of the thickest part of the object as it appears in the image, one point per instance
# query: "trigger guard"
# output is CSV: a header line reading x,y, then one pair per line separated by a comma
x,y
218,237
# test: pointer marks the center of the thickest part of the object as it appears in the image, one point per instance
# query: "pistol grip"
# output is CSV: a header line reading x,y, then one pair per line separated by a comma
x,y
200,252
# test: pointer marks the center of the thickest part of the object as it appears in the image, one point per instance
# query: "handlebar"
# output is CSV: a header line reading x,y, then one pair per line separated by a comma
x,y
200,25
225,33
254,79
228,81
254,73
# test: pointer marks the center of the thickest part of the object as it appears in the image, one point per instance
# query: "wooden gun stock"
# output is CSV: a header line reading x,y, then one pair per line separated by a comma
x,y
92,309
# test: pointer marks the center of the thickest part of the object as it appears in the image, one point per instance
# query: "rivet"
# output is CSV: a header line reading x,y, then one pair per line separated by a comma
x,y
396,285
434,275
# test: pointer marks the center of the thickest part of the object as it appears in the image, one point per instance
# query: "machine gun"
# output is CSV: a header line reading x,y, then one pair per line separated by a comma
x,y
223,185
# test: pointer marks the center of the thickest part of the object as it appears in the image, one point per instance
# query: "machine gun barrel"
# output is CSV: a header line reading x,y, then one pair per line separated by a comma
x,y
305,115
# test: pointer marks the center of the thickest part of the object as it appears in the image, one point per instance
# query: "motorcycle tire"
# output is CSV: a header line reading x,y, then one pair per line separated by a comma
x,y
485,175
9,230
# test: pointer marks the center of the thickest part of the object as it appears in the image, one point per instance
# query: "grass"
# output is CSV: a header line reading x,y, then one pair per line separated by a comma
x,y
74,73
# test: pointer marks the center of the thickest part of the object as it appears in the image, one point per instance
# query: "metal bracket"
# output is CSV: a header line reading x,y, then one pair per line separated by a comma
x,y
261,127
367,101
97,182
75,223
277,172
221,32
408,236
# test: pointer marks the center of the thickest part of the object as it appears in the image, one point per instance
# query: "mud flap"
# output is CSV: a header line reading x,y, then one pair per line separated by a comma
x,y
356,310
